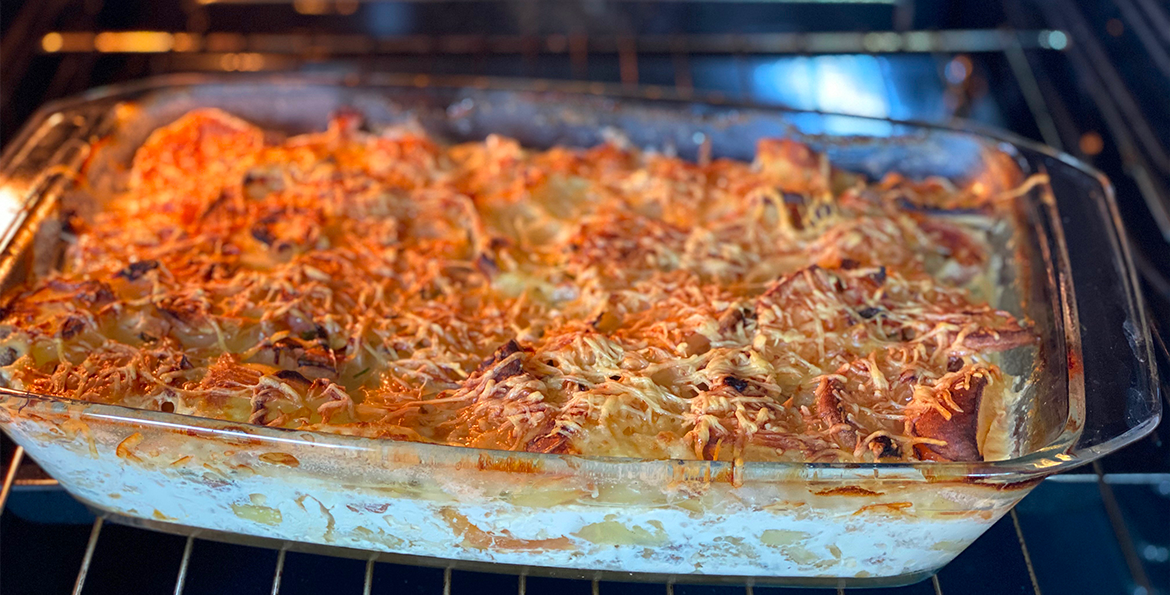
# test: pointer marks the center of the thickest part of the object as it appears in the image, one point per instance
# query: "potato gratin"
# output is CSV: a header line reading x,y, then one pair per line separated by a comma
x,y
602,302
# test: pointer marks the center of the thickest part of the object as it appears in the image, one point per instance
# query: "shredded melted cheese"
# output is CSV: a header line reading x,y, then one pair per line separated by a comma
x,y
602,301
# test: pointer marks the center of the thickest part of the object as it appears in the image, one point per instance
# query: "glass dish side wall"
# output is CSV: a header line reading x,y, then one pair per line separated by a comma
x,y
651,517
593,514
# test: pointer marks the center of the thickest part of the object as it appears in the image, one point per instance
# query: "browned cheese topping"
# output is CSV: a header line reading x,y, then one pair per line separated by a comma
x,y
603,301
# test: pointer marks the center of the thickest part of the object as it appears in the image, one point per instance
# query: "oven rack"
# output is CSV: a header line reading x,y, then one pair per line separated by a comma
x,y
1050,49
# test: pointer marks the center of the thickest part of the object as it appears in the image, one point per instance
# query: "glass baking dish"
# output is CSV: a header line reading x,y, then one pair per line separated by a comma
x,y
1089,390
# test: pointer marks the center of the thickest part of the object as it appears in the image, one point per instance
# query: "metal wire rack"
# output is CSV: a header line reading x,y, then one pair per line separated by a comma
x,y
1048,50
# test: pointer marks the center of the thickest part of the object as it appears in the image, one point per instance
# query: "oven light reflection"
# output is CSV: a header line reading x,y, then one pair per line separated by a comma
x,y
310,6
134,42
958,70
52,42
843,84
1056,40
67,41
186,42
10,205
242,62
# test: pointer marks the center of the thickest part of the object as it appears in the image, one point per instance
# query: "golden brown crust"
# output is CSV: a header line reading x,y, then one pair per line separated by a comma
x,y
954,424
829,409
601,301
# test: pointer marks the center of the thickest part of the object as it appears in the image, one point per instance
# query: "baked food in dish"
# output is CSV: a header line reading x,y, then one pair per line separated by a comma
x,y
603,301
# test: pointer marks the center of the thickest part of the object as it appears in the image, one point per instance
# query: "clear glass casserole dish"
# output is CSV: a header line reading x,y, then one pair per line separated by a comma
x,y
1088,390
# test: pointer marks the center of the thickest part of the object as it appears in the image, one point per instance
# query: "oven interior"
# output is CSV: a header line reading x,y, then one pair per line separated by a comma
x,y
1086,78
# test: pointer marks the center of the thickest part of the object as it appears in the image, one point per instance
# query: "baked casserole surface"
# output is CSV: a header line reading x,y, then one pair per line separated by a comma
x,y
604,301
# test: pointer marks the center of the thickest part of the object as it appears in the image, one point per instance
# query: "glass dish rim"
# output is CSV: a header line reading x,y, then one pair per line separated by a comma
x,y
1046,460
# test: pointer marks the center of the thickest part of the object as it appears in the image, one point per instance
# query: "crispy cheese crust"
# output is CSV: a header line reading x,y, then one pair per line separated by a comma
x,y
603,301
